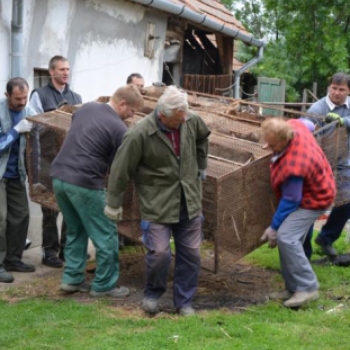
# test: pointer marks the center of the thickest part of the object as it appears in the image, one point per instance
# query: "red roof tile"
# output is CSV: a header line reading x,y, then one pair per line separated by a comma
x,y
215,11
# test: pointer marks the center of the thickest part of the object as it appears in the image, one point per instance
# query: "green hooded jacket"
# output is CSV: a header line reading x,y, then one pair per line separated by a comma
x,y
147,156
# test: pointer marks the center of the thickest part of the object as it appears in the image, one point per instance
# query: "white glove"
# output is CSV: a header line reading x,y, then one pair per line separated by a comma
x,y
23,126
270,235
114,214
203,174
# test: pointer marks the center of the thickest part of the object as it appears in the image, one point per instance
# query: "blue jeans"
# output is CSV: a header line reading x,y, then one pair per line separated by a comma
x,y
334,226
187,237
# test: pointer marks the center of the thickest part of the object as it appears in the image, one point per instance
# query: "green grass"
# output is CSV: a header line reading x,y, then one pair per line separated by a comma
x,y
37,323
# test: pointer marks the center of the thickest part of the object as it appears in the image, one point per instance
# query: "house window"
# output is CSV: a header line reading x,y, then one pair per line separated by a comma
x,y
41,77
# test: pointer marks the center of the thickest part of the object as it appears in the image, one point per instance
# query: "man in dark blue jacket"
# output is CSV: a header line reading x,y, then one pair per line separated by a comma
x,y
14,212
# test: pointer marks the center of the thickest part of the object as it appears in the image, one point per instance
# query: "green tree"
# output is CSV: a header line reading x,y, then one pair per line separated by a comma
x,y
308,41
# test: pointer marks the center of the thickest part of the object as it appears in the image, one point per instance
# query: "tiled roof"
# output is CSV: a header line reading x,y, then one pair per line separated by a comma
x,y
214,10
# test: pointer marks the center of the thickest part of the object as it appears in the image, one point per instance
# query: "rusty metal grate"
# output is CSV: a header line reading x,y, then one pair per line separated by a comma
x,y
238,202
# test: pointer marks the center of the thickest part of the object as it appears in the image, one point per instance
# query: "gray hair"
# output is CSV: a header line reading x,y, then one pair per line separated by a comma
x,y
172,100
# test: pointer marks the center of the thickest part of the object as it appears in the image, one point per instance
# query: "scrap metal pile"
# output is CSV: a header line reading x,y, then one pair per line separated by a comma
x,y
238,202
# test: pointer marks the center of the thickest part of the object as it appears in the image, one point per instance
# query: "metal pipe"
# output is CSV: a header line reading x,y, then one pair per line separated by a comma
x,y
16,38
239,72
184,11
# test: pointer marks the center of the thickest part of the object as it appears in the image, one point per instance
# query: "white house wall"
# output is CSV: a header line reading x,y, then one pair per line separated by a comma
x,y
103,41
5,43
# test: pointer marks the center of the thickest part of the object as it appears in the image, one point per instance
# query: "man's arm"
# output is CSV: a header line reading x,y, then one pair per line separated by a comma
x,y
123,168
35,103
292,192
7,139
202,144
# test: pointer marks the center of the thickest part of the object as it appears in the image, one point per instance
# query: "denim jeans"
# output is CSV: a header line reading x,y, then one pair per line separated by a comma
x,y
187,237
337,219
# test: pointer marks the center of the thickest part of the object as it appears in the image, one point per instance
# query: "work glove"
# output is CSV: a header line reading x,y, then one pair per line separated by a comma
x,y
115,214
38,188
202,174
23,126
270,235
331,117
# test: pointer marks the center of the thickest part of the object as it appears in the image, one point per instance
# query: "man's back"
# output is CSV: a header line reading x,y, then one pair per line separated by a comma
x,y
89,148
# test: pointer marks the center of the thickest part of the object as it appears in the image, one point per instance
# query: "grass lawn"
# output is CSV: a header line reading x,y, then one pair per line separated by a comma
x,y
37,323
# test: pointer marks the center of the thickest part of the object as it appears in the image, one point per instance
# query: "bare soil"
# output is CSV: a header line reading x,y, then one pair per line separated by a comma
x,y
235,287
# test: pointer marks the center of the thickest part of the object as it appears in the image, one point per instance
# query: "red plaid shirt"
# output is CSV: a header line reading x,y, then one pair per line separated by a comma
x,y
304,158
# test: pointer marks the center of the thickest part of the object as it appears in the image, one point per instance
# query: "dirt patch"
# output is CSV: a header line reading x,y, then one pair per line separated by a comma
x,y
236,287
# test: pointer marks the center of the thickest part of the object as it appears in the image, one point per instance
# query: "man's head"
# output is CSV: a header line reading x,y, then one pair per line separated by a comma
x,y
59,71
173,107
339,88
126,101
277,133
17,93
136,79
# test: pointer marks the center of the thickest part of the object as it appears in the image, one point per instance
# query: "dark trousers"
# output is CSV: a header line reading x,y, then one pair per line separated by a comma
x,y
14,219
308,243
51,244
334,226
187,237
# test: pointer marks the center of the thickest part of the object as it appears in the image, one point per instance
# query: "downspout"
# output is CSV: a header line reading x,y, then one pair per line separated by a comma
x,y
239,72
16,38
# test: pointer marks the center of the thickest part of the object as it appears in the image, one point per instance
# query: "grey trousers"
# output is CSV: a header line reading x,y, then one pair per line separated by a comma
x,y
14,219
295,267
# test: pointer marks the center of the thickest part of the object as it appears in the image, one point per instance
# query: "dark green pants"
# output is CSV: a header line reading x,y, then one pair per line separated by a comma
x,y
82,211
14,219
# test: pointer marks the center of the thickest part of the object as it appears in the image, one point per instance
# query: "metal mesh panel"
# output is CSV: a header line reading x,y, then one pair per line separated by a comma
x,y
43,144
238,202
334,142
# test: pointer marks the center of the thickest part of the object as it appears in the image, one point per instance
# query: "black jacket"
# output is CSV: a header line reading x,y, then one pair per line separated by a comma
x,y
50,97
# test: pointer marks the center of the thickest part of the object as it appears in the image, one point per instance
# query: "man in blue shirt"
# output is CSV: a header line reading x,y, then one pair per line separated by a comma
x,y
14,212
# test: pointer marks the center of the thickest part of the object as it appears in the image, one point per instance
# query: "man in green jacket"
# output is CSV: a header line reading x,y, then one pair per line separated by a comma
x,y
166,156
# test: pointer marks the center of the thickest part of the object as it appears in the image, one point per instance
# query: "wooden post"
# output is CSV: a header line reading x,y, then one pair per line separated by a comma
x,y
304,100
314,90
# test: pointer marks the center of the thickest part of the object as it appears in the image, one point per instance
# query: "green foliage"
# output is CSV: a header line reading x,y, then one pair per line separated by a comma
x,y
308,41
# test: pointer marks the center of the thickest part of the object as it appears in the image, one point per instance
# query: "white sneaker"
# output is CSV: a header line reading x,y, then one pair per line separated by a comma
x,y
300,298
150,306
187,311
282,294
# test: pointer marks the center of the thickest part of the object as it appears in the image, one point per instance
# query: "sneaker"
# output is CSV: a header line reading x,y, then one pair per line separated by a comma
x,y
18,266
118,292
300,298
5,277
187,311
150,306
52,261
326,248
281,295
72,288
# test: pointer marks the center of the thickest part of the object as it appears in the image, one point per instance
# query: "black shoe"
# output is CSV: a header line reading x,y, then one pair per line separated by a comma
x,y
18,266
52,261
326,248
